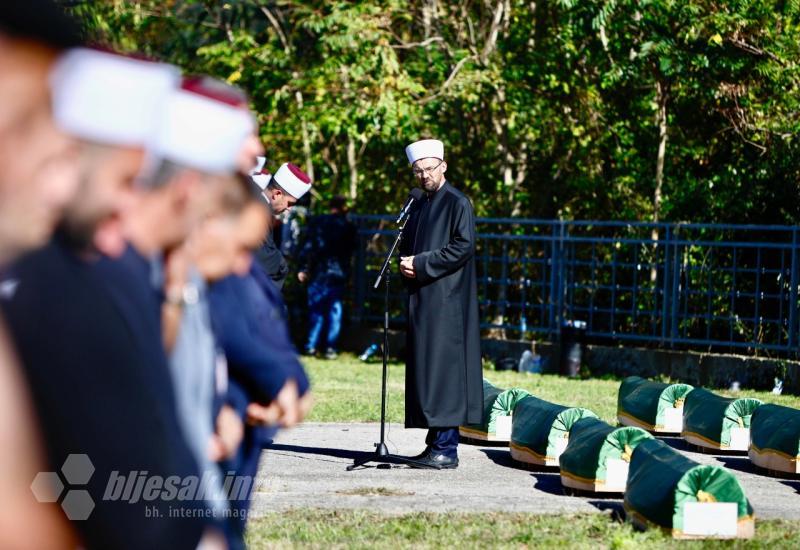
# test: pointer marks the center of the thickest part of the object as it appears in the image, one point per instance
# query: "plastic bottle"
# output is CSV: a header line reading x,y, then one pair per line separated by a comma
x,y
369,352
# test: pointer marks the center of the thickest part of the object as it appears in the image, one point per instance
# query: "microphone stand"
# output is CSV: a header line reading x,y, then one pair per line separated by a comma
x,y
381,454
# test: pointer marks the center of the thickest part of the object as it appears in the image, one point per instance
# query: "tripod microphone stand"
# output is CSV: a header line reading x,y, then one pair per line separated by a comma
x,y
381,454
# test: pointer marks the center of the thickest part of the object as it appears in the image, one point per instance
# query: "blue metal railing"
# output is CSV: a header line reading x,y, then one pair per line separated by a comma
x,y
702,286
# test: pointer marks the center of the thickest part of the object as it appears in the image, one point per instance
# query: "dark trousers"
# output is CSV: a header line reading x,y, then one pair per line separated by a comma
x,y
443,441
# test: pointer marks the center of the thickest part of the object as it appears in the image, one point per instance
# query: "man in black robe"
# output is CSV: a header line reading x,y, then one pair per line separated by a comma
x,y
444,386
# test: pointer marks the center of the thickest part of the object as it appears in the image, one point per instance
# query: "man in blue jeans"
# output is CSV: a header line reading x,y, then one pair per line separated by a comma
x,y
325,264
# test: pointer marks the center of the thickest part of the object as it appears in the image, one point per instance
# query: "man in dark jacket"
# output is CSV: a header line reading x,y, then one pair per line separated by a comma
x,y
325,264
444,386
281,191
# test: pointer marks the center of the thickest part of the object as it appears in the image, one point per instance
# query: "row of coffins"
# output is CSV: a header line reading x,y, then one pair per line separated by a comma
x,y
662,487
666,489
770,434
775,438
498,408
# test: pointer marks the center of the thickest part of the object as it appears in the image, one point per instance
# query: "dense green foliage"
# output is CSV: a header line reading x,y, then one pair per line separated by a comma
x,y
555,108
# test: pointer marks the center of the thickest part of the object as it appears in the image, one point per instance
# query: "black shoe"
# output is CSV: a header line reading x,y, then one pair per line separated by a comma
x,y
435,460
309,352
330,353
423,454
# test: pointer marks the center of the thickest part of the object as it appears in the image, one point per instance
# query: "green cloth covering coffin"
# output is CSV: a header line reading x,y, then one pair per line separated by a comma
x,y
775,438
540,430
597,456
498,407
716,422
654,406
668,490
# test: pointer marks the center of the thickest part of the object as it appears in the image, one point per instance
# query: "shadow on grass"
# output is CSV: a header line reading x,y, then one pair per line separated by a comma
x,y
613,506
597,496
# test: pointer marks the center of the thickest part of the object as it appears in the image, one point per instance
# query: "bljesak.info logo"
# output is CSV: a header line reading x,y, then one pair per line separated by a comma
x,y
68,486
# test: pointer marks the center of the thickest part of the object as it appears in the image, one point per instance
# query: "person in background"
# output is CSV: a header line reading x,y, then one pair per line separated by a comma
x,y
324,263
281,191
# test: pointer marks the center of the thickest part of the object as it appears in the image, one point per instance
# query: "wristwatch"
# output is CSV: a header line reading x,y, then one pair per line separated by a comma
x,y
185,295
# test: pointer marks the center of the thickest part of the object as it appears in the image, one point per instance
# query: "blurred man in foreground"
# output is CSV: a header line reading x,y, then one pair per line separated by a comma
x,y
37,179
99,376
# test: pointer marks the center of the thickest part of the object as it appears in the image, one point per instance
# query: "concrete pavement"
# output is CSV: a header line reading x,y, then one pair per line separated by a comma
x,y
306,468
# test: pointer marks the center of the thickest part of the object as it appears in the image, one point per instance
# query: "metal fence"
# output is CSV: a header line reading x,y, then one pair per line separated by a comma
x,y
701,286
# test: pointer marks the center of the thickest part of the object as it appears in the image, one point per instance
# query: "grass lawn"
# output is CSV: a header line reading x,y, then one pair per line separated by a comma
x,y
348,390
364,529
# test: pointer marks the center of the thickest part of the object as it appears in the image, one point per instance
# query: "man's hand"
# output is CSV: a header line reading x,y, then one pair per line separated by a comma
x,y
229,435
302,276
306,402
284,410
407,267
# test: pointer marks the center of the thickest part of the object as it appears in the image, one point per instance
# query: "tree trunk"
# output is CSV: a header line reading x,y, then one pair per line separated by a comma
x,y
662,96
494,31
352,164
298,96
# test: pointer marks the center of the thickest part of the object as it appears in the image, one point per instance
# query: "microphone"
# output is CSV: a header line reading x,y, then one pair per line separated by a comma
x,y
415,195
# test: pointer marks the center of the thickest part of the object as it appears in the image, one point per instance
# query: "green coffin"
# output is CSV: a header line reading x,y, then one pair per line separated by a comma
x,y
497,406
654,406
716,422
662,483
775,438
597,455
540,430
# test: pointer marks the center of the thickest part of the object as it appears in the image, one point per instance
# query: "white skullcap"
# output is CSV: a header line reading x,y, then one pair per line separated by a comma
x,y
262,179
293,180
260,174
109,98
260,162
423,149
203,125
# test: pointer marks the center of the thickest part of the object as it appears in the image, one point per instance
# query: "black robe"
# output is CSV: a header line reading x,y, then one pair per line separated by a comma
x,y
444,384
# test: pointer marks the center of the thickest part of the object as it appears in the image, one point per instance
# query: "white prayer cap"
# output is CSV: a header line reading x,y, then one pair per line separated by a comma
x,y
293,180
262,179
260,162
109,98
203,125
423,149
260,174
